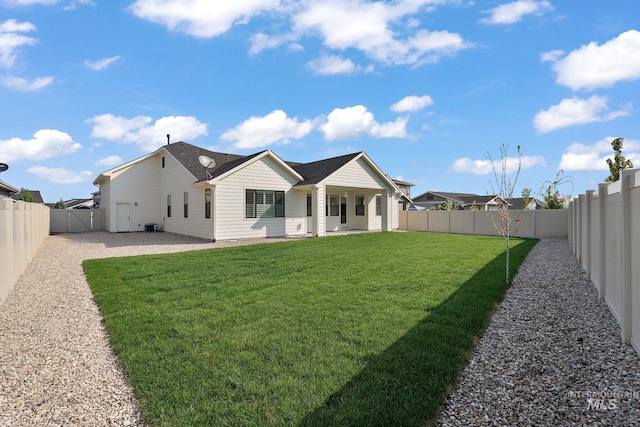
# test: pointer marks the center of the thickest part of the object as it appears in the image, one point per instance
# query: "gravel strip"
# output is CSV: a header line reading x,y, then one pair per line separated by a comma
x,y
552,354
56,365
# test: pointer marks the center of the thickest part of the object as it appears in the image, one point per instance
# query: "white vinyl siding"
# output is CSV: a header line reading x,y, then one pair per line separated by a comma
x,y
357,174
231,210
137,185
175,180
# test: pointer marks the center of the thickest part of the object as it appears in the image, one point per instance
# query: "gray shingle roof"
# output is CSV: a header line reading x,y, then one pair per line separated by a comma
x,y
188,155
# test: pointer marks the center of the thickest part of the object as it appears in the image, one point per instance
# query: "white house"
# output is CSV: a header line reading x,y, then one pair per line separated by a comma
x,y
259,195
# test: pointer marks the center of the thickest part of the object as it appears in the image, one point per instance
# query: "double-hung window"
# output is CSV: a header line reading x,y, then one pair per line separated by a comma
x,y
264,204
186,204
378,205
360,205
334,206
168,205
309,206
207,203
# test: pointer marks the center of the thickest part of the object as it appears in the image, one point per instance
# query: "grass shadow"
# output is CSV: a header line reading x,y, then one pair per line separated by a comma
x,y
407,383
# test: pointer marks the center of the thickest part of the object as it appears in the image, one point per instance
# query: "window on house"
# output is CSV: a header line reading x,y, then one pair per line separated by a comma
x,y
360,205
309,205
207,203
163,161
169,206
186,204
429,197
378,205
334,206
264,204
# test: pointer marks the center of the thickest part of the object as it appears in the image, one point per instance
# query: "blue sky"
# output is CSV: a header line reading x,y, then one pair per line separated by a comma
x,y
427,88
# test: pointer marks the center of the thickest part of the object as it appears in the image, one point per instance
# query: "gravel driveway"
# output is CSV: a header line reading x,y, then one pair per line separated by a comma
x,y
551,356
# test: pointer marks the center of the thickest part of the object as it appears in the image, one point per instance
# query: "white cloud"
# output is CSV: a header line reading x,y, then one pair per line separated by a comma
x,y
484,167
330,65
261,41
385,32
201,18
374,28
412,103
22,84
356,122
551,56
46,143
140,131
575,111
101,64
580,157
11,39
274,128
60,175
109,161
601,66
513,12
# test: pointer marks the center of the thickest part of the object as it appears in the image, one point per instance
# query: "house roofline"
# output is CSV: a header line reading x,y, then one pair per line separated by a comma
x,y
252,159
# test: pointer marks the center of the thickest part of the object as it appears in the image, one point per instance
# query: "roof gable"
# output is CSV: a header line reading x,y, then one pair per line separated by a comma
x,y
315,172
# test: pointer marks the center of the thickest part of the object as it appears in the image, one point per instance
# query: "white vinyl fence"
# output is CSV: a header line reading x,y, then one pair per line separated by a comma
x,y
604,233
534,223
23,228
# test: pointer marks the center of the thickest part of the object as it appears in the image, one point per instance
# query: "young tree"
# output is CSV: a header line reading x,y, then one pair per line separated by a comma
x,y
526,198
447,205
553,199
59,204
504,187
550,193
25,195
619,162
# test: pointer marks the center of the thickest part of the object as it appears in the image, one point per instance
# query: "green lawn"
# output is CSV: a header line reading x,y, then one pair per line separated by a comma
x,y
367,329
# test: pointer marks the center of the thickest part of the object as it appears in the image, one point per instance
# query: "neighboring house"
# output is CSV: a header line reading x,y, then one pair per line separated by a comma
x,y
533,204
73,204
78,204
96,199
405,188
37,197
259,195
464,201
6,190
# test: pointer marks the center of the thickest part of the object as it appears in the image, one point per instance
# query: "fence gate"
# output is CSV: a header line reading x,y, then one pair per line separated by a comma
x,y
76,220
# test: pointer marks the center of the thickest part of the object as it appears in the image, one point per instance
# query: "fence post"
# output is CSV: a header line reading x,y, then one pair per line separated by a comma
x,y
589,220
580,222
602,192
6,248
625,192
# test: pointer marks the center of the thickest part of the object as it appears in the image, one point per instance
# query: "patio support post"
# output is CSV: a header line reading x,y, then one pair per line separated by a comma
x,y
385,210
319,228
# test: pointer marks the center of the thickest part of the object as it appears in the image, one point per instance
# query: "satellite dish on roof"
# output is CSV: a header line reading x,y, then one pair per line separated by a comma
x,y
208,163
3,167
